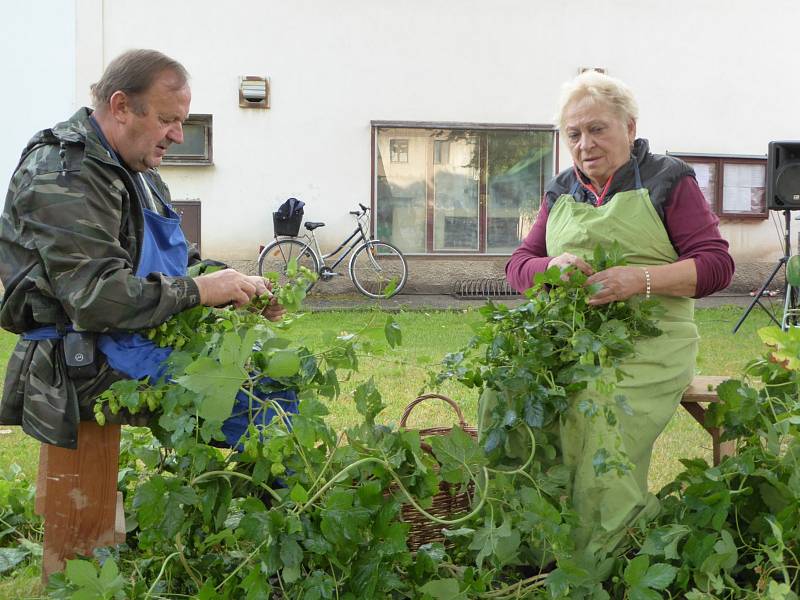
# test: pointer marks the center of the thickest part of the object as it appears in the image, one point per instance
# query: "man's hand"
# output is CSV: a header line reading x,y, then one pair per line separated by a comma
x,y
229,287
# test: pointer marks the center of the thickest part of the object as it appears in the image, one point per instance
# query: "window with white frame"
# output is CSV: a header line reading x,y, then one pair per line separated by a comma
x,y
459,189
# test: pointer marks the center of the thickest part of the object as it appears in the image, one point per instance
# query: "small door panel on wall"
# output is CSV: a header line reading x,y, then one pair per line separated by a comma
x,y
189,210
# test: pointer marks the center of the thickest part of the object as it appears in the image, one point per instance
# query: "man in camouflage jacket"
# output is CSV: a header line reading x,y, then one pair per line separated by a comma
x,y
70,241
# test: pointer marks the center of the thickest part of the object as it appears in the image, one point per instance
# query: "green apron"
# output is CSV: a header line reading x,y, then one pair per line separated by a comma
x,y
659,373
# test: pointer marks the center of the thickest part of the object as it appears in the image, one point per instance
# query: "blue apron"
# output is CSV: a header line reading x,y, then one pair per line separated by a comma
x,y
164,250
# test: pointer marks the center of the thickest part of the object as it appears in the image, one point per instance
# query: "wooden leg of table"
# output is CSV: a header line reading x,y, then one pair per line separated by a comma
x,y
697,411
721,449
727,449
715,445
80,499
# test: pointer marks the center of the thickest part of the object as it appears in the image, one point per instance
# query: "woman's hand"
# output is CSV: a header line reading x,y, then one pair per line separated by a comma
x,y
617,284
568,260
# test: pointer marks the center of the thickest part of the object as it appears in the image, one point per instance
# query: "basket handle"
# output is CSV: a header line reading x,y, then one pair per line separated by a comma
x,y
420,399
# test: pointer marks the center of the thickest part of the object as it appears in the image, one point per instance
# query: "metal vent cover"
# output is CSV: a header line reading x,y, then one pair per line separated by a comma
x,y
483,288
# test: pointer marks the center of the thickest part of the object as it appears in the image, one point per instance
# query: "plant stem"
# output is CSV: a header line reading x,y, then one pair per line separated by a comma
x,y
242,564
516,588
403,489
327,463
185,563
160,574
210,474
524,467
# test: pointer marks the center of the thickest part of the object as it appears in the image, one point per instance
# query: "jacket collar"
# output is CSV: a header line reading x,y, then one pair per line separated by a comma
x,y
75,130
624,177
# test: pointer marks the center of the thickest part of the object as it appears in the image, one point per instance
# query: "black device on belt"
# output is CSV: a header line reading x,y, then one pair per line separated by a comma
x,y
80,354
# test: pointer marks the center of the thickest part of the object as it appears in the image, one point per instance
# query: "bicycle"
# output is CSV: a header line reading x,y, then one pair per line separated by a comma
x,y
376,268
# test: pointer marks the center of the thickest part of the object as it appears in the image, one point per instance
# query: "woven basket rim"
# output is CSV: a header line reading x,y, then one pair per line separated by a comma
x,y
425,397
422,530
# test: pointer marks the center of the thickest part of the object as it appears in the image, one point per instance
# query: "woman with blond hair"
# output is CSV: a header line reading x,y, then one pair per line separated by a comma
x,y
618,191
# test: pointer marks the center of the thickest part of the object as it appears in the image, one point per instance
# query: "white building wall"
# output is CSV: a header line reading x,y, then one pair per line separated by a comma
x,y
37,68
712,76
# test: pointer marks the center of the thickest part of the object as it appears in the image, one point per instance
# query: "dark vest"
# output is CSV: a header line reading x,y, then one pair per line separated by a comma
x,y
659,175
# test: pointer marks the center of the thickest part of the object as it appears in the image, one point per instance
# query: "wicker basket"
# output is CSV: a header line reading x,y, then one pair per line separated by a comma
x,y
449,501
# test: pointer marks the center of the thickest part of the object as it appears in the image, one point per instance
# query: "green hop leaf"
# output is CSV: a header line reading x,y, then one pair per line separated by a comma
x,y
441,589
284,363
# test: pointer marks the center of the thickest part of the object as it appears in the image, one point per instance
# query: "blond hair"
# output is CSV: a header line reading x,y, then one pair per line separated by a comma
x,y
601,88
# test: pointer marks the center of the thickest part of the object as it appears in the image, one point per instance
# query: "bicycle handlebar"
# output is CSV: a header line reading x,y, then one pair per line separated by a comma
x,y
364,210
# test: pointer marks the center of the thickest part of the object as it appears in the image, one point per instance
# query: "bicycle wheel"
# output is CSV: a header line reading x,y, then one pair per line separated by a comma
x,y
275,258
378,269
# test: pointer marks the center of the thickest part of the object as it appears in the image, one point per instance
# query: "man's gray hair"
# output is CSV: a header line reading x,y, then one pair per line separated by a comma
x,y
133,72
602,88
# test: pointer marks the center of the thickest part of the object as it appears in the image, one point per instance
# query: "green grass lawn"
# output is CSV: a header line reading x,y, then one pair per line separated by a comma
x,y
401,374
15,447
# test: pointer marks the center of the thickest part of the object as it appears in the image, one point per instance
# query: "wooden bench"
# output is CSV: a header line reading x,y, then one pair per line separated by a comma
x,y
76,490
697,394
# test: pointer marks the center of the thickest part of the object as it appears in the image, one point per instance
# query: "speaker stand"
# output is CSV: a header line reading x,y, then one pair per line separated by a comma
x,y
787,252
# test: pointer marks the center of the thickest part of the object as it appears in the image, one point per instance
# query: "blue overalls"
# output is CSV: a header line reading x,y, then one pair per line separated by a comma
x,y
164,250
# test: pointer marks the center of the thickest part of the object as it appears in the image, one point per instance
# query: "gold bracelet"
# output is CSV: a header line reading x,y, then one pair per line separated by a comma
x,y
647,284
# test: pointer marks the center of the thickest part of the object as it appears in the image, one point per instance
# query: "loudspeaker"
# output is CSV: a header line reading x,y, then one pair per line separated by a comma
x,y
783,176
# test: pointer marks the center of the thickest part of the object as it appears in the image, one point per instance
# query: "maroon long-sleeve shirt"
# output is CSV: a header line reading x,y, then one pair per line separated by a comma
x,y
690,224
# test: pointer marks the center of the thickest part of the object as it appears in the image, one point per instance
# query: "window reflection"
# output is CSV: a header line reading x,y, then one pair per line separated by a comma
x,y
519,163
457,190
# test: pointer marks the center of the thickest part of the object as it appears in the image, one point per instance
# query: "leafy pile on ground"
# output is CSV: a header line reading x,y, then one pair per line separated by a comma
x,y
733,531
299,510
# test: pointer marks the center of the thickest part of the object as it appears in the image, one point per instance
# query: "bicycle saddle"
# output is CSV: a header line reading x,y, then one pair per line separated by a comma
x,y
311,225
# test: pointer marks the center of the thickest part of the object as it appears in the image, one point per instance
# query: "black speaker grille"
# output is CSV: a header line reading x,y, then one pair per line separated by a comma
x,y
783,175
787,186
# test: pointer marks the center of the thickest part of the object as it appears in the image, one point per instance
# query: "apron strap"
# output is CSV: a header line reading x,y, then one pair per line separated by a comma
x,y
145,187
636,174
151,190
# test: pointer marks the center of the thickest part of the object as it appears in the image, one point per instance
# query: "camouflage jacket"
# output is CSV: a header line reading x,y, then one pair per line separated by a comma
x,y
70,240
